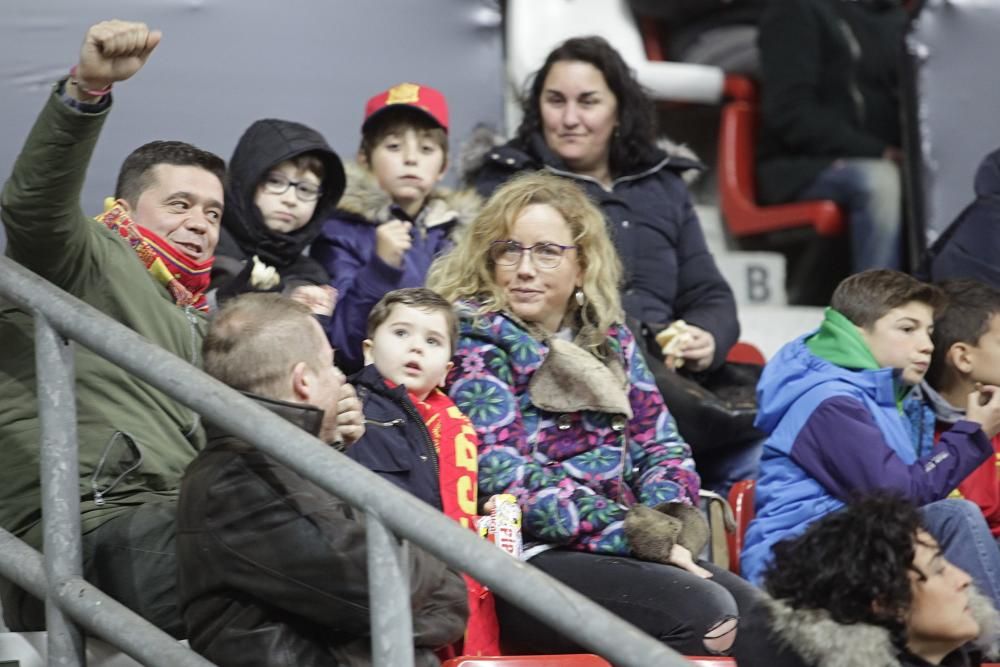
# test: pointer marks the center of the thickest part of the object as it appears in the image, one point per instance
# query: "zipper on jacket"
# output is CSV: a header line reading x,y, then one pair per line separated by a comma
x,y
621,179
411,412
428,443
374,422
193,325
99,493
195,347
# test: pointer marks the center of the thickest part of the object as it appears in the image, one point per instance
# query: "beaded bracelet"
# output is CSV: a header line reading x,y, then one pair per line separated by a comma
x,y
90,93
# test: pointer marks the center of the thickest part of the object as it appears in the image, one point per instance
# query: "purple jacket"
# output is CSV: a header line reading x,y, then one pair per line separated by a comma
x,y
346,249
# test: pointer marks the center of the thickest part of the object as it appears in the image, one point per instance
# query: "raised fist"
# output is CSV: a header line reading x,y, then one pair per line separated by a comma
x,y
113,51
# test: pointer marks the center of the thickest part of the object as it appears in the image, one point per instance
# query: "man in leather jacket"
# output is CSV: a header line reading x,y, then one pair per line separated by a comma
x,y
272,568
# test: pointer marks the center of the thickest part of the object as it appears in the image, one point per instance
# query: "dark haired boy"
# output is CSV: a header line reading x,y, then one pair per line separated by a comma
x,y
415,436
832,403
967,354
393,220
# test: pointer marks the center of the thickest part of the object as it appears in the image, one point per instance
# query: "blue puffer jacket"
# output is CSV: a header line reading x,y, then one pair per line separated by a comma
x,y
396,444
835,431
669,272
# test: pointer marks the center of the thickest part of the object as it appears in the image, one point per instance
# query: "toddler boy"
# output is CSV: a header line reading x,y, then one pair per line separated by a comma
x,y
415,436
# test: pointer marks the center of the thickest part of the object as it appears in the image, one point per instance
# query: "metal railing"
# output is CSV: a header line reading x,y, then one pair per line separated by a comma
x,y
390,512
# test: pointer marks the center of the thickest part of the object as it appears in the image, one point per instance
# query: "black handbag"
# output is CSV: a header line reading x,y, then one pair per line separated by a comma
x,y
714,411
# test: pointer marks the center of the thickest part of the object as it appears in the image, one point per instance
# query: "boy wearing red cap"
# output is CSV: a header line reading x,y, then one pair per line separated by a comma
x,y
393,219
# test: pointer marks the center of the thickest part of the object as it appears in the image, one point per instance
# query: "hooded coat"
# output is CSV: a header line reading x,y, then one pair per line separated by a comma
x,y
346,249
970,247
265,144
836,426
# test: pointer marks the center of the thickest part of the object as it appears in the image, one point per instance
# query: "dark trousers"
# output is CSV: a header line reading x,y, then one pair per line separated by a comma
x,y
131,558
666,602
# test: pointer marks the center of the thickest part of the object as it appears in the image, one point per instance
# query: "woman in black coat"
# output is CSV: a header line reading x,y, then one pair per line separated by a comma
x,y
586,118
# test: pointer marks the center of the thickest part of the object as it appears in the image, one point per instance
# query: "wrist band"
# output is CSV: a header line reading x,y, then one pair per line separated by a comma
x,y
86,91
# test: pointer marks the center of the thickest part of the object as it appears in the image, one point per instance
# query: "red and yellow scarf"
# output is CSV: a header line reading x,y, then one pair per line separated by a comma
x,y
185,279
457,446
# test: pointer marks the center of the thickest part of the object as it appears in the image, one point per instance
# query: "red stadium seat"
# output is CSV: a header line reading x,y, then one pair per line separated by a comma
x,y
574,660
746,353
741,500
737,181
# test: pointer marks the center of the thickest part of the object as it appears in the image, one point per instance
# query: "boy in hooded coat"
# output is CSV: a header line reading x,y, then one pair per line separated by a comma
x,y
284,181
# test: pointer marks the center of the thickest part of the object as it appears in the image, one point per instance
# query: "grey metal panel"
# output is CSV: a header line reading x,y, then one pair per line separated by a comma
x,y
953,44
225,63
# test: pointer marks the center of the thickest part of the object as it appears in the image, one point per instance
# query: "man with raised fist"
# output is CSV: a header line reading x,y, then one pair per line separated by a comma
x,y
146,263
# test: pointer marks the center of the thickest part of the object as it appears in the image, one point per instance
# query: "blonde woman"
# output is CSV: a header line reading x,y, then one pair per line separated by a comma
x,y
571,422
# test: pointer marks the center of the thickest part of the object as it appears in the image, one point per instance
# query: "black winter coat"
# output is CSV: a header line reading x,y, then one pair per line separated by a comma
x,y
669,272
829,88
970,247
396,444
265,144
272,570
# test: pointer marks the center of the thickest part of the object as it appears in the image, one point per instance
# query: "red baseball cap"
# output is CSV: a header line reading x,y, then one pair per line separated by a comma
x,y
421,98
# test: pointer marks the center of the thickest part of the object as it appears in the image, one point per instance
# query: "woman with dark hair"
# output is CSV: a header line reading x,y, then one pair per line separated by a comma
x,y
868,585
586,118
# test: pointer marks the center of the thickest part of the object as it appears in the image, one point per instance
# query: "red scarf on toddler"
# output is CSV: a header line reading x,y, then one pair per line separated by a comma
x,y
457,445
185,279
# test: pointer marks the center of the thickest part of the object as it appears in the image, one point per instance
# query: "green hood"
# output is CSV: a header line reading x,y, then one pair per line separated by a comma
x,y
839,342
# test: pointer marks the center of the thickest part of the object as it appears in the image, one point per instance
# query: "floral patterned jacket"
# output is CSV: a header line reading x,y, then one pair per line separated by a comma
x,y
574,439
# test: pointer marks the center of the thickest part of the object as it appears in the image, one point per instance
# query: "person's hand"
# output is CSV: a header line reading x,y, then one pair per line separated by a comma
x,y
113,51
320,299
983,407
350,415
490,505
682,558
697,349
392,240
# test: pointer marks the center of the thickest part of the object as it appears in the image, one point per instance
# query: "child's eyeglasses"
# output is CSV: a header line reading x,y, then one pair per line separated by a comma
x,y
278,184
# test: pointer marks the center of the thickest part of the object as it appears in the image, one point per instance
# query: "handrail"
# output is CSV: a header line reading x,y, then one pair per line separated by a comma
x,y
556,604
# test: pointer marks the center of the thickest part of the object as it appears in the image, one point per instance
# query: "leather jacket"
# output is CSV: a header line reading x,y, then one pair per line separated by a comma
x,y
273,570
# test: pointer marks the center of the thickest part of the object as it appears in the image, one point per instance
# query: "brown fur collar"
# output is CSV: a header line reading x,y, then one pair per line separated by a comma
x,y
363,197
823,642
571,379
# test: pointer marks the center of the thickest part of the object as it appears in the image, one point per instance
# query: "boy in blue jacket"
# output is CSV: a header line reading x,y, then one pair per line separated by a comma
x,y
834,406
